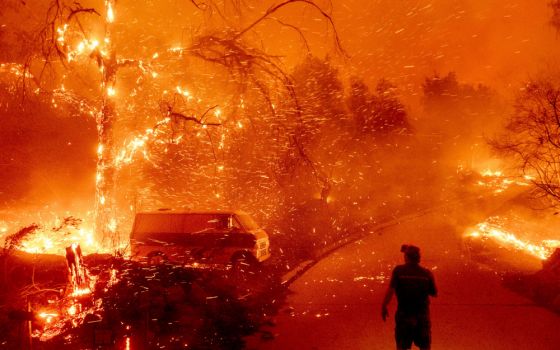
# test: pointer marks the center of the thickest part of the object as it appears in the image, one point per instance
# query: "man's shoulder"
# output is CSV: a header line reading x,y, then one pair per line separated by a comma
x,y
425,270
412,269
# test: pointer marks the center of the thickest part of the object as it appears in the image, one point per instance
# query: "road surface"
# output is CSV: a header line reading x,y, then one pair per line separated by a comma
x,y
336,304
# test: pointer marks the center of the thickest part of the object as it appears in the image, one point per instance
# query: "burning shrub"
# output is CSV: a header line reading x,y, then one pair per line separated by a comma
x,y
14,240
166,305
11,242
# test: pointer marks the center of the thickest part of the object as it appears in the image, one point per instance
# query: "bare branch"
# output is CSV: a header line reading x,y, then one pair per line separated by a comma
x,y
286,3
193,118
79,9
200,5
297,29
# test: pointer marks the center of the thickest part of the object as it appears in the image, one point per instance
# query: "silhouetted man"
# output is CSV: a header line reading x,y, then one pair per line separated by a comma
x,y
413,285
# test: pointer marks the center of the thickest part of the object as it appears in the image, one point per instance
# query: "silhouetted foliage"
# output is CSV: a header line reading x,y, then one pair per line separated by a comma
x,y
555,18
389,113
440,92
379,113
359,103
446,92
463,110
320,95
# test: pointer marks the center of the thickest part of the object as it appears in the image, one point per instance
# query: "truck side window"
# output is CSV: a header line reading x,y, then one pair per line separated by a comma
x,y
233,224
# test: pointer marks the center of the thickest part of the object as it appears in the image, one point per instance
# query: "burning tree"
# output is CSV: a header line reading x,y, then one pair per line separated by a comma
x,y
139,86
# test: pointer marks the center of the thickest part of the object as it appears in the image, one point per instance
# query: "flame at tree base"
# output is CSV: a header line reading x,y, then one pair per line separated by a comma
x,y
77,303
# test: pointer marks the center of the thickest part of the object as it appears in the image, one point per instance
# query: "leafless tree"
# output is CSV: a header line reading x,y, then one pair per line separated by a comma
x,y
532,137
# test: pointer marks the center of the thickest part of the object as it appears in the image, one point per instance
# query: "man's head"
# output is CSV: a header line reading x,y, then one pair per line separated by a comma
x,y
411,253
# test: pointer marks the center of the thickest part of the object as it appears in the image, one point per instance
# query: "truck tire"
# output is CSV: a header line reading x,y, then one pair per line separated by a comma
x,y
243,262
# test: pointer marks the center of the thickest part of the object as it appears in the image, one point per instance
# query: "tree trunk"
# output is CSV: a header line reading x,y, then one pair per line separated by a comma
x,y
105,225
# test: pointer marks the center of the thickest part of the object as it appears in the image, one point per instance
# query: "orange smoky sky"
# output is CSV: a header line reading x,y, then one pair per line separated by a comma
x,y
499,43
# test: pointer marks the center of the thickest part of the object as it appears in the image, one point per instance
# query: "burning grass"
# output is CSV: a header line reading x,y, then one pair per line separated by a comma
x,y
492,229
498,182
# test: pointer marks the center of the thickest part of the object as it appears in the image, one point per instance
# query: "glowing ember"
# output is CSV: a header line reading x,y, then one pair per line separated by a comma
x,y
487,230
126,155
380,277
110,13
47,316
16,69
80,292
72,310
489,172
111,91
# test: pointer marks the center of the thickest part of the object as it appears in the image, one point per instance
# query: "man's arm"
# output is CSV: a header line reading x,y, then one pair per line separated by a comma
x,y
433,289
386,301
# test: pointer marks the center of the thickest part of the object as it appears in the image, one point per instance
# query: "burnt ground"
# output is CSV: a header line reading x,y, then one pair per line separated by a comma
x,y
162,306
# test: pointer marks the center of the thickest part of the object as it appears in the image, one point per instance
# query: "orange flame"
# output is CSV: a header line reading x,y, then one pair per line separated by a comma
x,y
499,182
47,316
47,241
541,250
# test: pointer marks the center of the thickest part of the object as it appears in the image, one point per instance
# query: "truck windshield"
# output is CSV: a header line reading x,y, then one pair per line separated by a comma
x,y
247,222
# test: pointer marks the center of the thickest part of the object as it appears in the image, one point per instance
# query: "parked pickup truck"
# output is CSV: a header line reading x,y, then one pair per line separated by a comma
x,y
188,237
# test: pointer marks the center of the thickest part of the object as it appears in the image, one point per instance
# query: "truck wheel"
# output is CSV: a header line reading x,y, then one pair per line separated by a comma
x,y
243,262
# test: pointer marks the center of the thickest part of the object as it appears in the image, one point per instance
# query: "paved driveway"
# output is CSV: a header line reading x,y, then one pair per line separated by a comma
x,y
336,304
